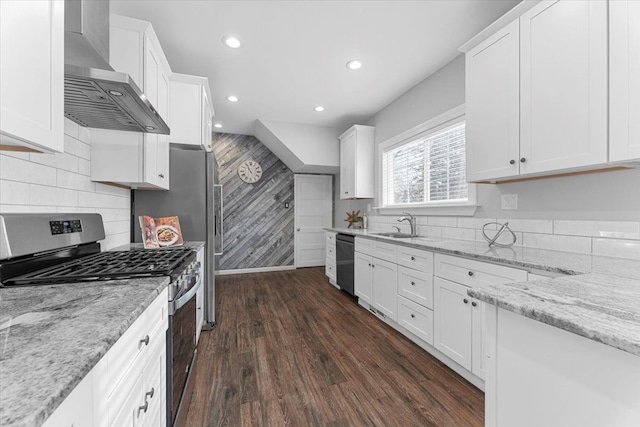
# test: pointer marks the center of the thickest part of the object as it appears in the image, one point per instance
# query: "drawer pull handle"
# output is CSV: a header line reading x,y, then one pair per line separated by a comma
x,y
143,408
465,300
474,303
471,273
413,315
413,283
413,258
145,340
150,393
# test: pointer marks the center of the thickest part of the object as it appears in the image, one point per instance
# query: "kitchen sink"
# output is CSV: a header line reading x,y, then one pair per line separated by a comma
x,y
394,234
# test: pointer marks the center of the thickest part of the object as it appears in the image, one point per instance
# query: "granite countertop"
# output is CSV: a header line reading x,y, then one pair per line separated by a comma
x,y
597,298
51,336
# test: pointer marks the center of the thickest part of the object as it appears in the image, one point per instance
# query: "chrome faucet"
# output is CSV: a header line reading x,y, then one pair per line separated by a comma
x,y
412,222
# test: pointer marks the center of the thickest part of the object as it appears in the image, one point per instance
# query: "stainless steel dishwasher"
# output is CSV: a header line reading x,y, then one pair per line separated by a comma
x,y
344,262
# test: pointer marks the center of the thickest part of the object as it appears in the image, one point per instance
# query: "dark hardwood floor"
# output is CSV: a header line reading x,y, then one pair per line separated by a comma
x,y
290,349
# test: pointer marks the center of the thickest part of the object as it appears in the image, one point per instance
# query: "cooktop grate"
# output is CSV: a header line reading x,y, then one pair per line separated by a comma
x,y
108,266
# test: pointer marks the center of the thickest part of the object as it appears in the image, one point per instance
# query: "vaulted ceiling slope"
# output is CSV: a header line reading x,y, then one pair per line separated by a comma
x,y
294,52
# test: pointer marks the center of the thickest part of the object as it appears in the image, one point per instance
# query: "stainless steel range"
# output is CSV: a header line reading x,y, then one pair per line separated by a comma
x,y
46,249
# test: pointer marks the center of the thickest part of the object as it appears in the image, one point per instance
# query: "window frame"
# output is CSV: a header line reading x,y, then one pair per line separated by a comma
x,y
424,130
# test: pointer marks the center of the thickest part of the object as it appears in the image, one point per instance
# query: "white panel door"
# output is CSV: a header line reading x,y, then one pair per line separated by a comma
x,y
313,213
493,106
452,321
624,83
563,54
385,287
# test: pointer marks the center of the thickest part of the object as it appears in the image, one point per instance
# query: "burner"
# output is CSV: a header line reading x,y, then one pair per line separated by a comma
x,y
108,266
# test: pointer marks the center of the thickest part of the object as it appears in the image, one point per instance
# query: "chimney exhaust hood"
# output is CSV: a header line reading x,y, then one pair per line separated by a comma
x,y
95,95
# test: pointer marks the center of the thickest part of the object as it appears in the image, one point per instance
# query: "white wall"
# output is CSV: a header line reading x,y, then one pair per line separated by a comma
x,y
608,196
31,182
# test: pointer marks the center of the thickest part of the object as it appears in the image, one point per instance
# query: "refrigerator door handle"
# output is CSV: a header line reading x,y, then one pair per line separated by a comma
x,y
220,217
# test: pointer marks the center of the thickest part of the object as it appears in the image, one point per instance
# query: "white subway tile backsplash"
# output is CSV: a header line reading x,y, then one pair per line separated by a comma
x,y
98,200
74,181
19,170
542,226
458,233
443,221
44,195
617,248
77,148
49,183
559,243
429,231
14,193
607,229
467,222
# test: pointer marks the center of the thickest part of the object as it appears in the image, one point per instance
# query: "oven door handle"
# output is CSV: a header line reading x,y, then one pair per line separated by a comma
x,y
175,305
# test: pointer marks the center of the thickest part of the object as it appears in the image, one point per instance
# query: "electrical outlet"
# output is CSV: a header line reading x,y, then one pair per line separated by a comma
x,y
509,202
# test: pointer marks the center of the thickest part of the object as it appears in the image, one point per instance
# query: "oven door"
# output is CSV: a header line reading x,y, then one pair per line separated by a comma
x,y
181,345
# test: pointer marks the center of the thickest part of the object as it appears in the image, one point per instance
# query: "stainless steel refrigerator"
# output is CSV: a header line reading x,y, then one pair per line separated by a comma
x,y
196,198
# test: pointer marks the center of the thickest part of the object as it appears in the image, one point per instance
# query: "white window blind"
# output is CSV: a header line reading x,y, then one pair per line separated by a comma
x,y
430,169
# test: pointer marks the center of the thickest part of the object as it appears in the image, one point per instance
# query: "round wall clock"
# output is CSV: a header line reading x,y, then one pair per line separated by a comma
x,y
250,171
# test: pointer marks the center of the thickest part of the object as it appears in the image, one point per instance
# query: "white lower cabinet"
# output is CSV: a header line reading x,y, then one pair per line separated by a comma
x,y
363,277
127,386
330,260
376,279
452,321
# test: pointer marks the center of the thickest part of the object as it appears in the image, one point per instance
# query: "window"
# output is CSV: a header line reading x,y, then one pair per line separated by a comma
x,y
427,169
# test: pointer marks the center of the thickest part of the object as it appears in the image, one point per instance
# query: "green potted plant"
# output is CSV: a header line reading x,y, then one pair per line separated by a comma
x,y
354,219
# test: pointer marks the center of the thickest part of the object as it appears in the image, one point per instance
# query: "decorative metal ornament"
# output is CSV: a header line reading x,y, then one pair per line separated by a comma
x,y
492,240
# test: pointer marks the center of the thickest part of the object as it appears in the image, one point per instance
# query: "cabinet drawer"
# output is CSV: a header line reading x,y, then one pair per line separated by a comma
x,y
475,273
331,251
330,271
151,323
416,286
385,251
416,319
331,238
364,246
416,259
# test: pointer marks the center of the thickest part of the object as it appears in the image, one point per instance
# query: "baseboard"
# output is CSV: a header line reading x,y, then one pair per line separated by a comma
x,y
255,270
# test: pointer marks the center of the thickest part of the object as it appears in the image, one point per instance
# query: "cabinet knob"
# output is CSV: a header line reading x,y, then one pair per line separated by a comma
x,y
465,301
145,340
373,265
474,303
413,258
413,315
143,408
512,162
470,273
161,175
413,283
523,159
346,192
150,394
297,229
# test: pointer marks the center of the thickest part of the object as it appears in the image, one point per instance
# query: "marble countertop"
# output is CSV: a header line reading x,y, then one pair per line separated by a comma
x,y
51,336
597,298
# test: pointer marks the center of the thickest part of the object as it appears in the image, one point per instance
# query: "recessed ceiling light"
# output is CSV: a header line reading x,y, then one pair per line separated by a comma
x,y
354,64
217,125
319,108
232,42
232,98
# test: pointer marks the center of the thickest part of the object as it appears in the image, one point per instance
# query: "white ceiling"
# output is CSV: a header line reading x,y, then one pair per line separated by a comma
x,y
294,52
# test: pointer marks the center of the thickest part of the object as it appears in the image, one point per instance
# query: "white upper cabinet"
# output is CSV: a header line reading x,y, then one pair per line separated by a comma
x,y
32,77
563,52
191,115
492,104
624,85
133,159
356,163
537,93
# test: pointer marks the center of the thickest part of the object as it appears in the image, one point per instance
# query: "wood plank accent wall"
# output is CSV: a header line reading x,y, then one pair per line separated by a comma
x,y
258,229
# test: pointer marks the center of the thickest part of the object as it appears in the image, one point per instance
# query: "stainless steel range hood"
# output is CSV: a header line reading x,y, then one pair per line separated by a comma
x,y
95,95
